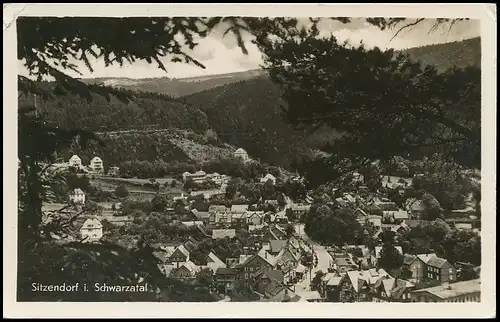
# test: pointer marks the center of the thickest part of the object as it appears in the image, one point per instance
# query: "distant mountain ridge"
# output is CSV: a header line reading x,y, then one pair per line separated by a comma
x,y
442,56
176,87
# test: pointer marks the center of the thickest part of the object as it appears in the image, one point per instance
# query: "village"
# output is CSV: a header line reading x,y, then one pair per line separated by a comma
x,y
270,252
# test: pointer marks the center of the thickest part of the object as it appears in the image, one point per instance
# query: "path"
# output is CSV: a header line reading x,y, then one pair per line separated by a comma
x,y
324,261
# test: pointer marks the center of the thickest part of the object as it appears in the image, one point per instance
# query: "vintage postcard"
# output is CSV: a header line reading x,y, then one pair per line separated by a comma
x,y
203,160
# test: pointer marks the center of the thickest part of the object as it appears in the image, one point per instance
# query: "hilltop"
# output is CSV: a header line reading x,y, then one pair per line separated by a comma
x,y
238,109
176,87
442,56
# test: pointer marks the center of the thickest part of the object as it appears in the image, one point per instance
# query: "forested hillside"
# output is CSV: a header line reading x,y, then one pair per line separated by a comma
x,y
443,56
454,54
176,87
242,108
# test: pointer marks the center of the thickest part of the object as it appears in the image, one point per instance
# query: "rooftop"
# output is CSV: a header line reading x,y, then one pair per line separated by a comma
x,y
453,290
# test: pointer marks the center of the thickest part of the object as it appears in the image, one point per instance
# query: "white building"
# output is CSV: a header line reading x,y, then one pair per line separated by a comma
x,y
77,196
96,164
197,177
240,153
268,177
75,161
91,229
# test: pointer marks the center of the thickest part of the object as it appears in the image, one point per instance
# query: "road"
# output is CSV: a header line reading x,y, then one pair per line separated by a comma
x,y
324,261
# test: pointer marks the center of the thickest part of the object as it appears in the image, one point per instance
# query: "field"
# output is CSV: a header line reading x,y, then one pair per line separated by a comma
x,y
136,188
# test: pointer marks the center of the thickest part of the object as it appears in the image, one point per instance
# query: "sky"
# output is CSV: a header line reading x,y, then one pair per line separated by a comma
x,y
221,55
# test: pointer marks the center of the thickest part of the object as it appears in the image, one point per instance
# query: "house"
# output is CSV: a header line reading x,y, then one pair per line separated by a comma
x,y
356,285
275,291
185,271
342,262
349,198
75,161
96,165
114,171
239,209
226,276
417,265
255,218
329,288
384,204
197,177
220,218
439,269
241,154
299,210
272,202
460,292
91,230
255,264
401,228
192,223
77,196
275,232
222,233
180,255
378,250
311,296
191,244
202,216
388,289
268,177
218,208
395,216
276,246
375,220
287,260
214,262
415,207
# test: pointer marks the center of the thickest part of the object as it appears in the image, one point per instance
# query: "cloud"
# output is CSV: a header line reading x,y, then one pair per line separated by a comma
x,y
222,55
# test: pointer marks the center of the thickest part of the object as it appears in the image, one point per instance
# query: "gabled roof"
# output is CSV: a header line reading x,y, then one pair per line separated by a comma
x,y
239,208
191,267
92,223
454,290
394,288
273,274
221,233
437,262
216,259
358,278
183,250
426,257
408,259
217,208
277,245
78,191
75,157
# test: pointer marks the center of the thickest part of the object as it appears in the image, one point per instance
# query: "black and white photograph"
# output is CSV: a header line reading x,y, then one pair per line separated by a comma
x,y
236,158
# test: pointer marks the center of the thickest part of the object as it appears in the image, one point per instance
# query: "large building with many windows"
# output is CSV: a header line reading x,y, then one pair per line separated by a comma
x,y
467,291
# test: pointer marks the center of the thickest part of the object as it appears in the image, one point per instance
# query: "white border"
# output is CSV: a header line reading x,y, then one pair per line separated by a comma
x,y
485,12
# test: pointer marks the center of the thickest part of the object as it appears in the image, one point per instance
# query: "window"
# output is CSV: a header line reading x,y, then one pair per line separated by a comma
x,y
452,277
450,270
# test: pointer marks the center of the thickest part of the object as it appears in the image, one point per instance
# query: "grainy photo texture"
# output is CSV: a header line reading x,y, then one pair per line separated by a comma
x,y
240,159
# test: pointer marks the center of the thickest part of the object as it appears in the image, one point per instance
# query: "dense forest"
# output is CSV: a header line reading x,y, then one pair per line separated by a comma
x,y
444,56
244,112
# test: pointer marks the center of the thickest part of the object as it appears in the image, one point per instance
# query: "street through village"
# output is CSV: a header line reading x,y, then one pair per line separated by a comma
x,y
324,261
